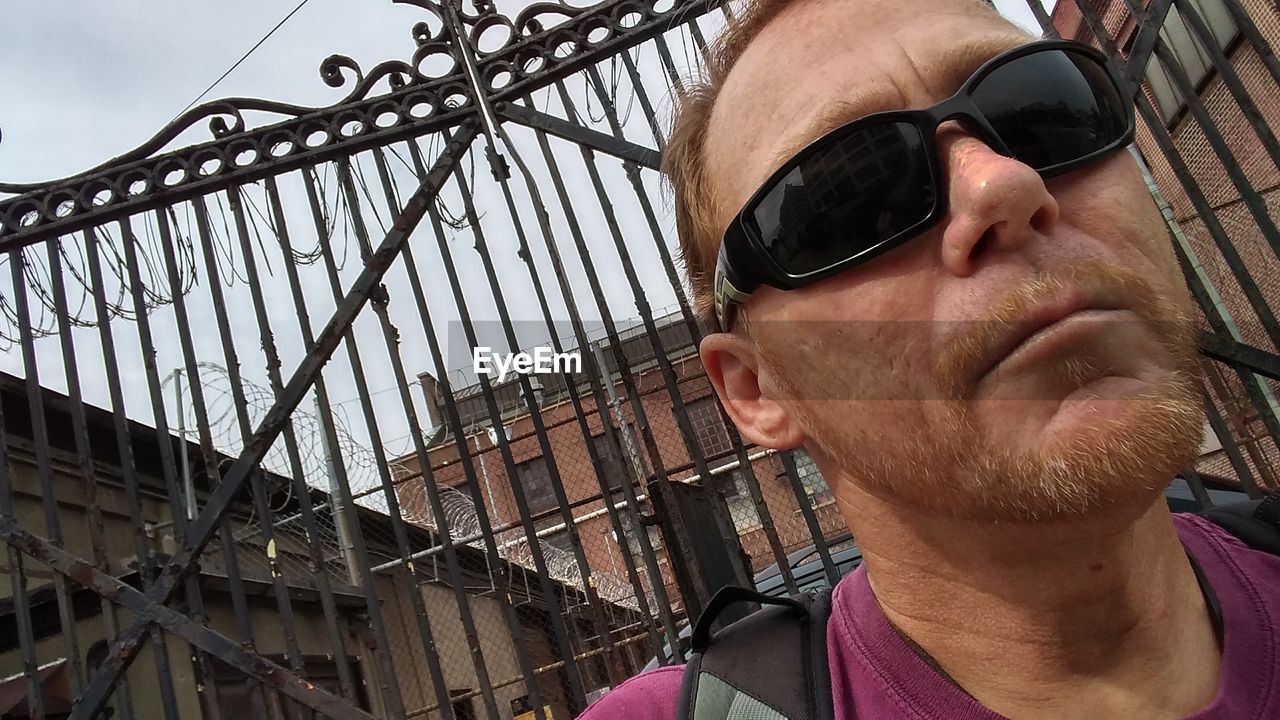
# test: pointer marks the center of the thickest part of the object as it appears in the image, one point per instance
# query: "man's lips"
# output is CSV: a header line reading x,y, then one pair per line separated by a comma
x,y
1041,319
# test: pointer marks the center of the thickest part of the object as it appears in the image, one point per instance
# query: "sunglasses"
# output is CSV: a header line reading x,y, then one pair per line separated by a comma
x,y
871,185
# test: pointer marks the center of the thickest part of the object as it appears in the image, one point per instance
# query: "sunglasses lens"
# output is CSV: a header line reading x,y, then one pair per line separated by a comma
x,y
849,194
1052,107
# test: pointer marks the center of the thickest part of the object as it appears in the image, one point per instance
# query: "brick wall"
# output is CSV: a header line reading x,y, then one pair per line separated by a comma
x,y
1242,226
582,484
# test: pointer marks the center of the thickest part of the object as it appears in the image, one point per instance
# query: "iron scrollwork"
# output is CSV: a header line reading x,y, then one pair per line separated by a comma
x,y
542,43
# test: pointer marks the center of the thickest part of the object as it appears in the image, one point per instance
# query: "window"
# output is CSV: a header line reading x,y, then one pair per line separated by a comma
x,y
535,479
815,487
732,486
1182,40
709,430
463,708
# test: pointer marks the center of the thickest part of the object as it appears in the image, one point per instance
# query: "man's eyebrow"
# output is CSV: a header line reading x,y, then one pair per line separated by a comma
x,y
957,63
834,114
960,62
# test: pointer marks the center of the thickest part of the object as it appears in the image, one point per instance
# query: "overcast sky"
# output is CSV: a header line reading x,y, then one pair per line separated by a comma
x,y
85,81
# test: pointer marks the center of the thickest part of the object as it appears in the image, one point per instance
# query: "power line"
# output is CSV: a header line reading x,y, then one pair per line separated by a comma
x,y
244,57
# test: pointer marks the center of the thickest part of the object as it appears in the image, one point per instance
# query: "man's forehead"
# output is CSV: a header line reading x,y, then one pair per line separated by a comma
x,y
822,63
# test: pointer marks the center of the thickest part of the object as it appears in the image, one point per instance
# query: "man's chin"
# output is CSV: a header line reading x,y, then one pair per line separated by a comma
x,y
1100,407
1113,445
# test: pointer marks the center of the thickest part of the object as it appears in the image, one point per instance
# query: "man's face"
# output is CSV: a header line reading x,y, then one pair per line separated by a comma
x,y
1029,357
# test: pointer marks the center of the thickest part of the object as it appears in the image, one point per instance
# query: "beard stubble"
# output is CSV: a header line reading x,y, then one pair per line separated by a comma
x,y
952,468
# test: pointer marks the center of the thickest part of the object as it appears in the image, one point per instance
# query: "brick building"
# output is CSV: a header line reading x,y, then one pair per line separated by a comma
x,y
585,487
1189,80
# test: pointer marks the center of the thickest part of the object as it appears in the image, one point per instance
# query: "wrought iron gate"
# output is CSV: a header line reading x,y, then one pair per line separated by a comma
x,y
245,470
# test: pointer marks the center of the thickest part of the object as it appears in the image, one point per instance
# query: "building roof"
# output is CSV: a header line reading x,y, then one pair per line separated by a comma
x,y
375,526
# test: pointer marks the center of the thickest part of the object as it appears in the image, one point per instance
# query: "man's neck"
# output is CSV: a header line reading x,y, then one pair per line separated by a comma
x,y
1089,618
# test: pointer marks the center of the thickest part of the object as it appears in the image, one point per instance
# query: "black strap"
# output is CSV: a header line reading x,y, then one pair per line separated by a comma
x,y
731,595
1255,522
777,656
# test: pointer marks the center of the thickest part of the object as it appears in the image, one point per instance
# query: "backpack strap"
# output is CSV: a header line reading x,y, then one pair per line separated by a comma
x,y
1255,522
771,665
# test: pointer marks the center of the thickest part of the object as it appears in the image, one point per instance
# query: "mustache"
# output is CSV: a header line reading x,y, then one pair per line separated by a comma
x,y
978,345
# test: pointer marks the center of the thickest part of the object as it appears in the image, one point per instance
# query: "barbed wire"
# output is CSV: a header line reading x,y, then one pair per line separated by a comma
x,y
359,463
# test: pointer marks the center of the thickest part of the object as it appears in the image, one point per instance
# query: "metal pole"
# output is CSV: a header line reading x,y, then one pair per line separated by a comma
x,y
336,509
188,490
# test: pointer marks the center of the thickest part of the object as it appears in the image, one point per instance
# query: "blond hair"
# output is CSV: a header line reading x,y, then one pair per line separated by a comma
x,y
683,162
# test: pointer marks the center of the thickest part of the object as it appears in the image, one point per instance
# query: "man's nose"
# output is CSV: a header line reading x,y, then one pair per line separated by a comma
x,y
996,202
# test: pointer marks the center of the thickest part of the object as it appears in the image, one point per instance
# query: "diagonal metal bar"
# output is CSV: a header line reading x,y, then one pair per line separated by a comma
x,y
204,638
126,645
565,130
1144,46
1240,355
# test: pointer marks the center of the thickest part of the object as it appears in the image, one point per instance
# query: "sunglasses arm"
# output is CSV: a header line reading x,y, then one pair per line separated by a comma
x,y
728,297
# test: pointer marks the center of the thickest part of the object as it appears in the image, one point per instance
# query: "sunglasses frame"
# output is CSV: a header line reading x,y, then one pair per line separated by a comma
x,y
743,264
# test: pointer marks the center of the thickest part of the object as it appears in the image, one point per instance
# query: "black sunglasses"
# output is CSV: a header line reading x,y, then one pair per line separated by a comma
x,y
875,183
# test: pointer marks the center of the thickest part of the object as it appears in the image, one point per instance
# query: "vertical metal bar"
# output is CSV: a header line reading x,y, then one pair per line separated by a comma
x,y
1249,29
535,413
1042,17
632,172
1229,444
695,332
40,438
124,450
498,569
810,519
699,42
1230,78
301,490
668,64
415,573
577,695
357,366
84,457
642,96
741,572
201,669
231,362
628,381
18,585
343,501
580,335
432,491
208,454
1196,485
502,173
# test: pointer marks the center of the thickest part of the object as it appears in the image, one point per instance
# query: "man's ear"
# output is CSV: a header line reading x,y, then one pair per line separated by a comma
x,y
734,369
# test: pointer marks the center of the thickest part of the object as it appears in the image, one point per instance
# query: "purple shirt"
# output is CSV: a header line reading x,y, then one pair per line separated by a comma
x,y
875,674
